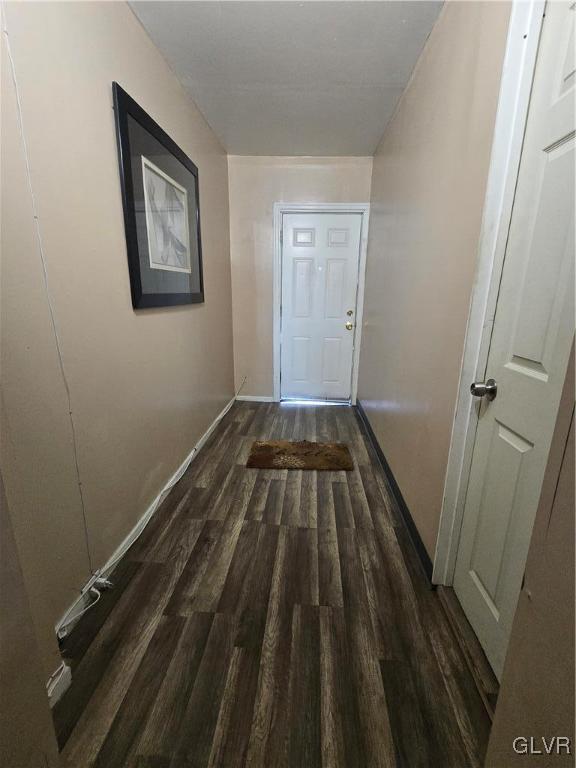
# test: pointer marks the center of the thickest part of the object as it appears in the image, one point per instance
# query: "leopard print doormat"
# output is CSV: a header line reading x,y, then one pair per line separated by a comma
x,y
286,454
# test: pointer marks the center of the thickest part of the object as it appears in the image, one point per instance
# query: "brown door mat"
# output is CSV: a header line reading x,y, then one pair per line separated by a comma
x,y
287,454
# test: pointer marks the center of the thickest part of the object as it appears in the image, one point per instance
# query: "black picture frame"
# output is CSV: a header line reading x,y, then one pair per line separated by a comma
x,y
144,148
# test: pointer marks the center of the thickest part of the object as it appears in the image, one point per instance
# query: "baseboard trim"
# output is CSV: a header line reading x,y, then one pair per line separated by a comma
x,y
255,398
75,611
145,519
423,555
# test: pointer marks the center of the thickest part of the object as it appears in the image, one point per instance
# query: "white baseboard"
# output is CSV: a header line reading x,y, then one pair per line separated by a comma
x,y
59,683
80,604
256,398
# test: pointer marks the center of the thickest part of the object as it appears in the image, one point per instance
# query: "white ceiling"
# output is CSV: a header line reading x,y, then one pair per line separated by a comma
x,y
292,78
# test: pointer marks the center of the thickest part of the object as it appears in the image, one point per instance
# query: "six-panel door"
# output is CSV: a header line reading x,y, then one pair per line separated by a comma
x,y
320,258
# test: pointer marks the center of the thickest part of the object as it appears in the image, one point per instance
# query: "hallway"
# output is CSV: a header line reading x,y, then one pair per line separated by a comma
x,y
271,618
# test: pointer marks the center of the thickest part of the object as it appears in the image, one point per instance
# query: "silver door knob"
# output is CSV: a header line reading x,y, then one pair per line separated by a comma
x,y
487,389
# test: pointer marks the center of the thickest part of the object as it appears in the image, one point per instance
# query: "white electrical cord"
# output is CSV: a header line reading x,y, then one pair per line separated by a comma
x,y
61,633
55,678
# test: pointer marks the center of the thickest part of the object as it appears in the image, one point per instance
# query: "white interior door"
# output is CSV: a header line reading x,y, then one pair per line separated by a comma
x,y
529,349
320,261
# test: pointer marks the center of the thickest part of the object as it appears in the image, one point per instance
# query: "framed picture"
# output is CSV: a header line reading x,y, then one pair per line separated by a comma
x,y
161,210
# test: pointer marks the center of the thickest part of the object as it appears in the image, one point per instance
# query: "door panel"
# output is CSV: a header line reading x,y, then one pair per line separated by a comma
x,y
333,301
503,476
541,300
320,261
331,354
301,358
529,350
302,287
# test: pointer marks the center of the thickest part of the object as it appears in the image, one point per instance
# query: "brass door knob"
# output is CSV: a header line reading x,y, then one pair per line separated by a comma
x,y
349,325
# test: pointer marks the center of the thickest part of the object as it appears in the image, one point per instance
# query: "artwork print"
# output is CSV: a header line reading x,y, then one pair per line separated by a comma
x,y
166,220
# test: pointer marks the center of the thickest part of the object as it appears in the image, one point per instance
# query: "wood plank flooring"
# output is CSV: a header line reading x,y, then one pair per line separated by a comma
x,y
271,619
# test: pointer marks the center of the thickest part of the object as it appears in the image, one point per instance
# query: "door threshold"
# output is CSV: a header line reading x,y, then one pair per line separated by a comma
x,y
311,401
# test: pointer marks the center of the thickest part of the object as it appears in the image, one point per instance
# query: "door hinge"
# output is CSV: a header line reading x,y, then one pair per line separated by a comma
x,y
281,236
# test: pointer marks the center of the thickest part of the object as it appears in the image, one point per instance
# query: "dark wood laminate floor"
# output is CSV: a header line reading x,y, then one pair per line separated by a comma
x,y
271,619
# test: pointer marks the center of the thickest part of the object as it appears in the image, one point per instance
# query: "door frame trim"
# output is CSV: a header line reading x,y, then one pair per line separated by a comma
x,y
279,210
515,87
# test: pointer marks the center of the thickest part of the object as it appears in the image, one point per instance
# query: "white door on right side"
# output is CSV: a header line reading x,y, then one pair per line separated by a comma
x,y
529,349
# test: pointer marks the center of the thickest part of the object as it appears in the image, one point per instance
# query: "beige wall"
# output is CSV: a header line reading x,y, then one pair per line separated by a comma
x,y
37,458
256,183
27,738
144,386
428,187
537,692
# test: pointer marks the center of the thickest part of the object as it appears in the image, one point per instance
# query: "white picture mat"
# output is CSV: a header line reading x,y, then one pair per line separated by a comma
x,y
167,226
